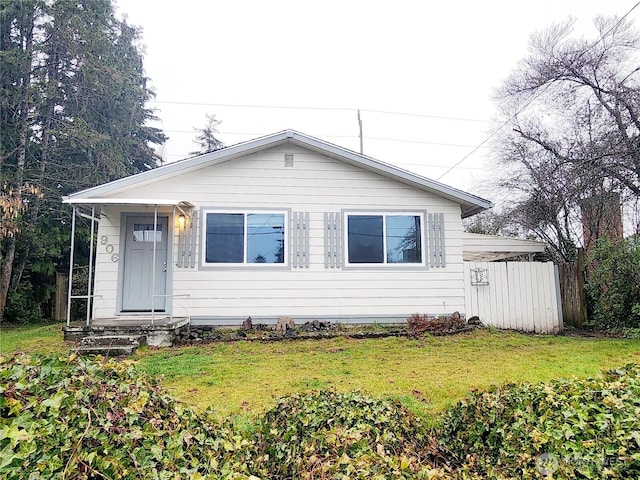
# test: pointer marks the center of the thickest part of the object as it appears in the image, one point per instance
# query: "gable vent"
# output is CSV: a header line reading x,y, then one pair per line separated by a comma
x,y
288,160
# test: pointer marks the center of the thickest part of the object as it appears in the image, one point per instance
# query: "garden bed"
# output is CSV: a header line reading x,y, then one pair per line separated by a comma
x,y
416,326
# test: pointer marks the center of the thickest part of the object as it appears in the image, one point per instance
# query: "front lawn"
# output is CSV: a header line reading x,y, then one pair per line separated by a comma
x,y
586,428
44,339
426,374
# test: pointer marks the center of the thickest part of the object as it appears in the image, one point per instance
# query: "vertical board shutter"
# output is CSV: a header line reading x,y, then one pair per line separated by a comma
x,y
193,226
437,257
300,239
332,240
187,236
181,245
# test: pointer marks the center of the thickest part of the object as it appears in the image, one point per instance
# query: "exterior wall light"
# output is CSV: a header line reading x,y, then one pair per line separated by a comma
x,y
181,220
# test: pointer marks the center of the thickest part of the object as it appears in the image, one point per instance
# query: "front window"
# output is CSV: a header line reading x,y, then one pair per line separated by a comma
x,y
384,238
145,232
245,238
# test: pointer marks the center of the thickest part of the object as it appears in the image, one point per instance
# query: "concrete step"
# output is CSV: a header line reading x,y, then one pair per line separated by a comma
x,y
109,345
113,340
105,350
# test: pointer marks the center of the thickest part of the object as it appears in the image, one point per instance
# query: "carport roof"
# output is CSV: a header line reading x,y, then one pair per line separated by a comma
x,y
488,248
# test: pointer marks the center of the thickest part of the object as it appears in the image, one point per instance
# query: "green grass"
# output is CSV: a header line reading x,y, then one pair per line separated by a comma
x,y
428,374
45,339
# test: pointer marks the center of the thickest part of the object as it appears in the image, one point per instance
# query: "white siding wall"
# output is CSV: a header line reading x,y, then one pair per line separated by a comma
x,y
106,276
315,184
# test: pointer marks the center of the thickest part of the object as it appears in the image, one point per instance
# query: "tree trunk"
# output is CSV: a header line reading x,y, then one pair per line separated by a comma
x,y
18,267
23,136
5,278
34,213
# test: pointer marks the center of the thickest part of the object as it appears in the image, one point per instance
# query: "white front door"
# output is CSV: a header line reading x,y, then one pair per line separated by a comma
x,y
138,271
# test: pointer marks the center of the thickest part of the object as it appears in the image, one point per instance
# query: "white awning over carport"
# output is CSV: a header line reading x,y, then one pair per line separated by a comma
x,y
488,248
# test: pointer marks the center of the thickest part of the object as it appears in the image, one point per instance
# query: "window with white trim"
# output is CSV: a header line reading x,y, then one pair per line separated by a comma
x,y
245,238
384,238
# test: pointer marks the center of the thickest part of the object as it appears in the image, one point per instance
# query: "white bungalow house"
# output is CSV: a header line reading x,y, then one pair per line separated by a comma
x,y
283,225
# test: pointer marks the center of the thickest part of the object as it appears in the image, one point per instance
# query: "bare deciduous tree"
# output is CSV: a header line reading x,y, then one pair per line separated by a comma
x,y
573,107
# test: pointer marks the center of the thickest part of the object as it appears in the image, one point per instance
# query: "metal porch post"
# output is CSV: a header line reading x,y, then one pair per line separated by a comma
x,y
73,237
153,264
89,285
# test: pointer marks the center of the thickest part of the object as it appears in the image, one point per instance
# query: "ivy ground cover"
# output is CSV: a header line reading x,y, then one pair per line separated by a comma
x,y
70,417
426,374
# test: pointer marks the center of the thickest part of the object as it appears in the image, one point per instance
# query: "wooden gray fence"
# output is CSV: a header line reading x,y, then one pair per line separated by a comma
x,y
522,296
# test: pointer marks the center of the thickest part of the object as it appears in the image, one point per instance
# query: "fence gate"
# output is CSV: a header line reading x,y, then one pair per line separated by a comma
x,y
521,296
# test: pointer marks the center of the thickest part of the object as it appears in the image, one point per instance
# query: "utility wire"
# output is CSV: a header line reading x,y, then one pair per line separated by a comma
x,y
493,134
335,109
239,105
437,117
383,139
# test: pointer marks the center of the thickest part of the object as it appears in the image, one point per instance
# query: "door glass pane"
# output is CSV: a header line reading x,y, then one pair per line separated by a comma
x,y
225,238
143,232
265,238
403,239
365,241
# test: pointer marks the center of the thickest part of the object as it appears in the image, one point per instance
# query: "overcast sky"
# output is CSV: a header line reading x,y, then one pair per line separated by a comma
x,y
314,64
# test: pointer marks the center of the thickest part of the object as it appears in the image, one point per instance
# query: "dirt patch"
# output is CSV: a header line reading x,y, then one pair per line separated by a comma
x,y
593,334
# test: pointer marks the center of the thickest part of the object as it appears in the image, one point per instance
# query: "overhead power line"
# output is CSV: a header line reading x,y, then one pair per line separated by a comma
x,y
240,105
420,115
382,139
334,109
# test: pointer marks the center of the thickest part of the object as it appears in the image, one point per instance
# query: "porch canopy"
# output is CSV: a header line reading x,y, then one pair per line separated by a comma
x,y
489,248
93,202
78,202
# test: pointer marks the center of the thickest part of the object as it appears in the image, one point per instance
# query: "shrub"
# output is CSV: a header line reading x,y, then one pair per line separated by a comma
x,y
89,419
613,283
22,306
590,427
443,325
78,418
345,435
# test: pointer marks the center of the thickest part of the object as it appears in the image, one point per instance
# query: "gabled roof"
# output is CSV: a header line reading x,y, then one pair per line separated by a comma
x,y
470,204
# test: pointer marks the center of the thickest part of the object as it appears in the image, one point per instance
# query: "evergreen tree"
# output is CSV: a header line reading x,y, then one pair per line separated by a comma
x,y
206,138
73,116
